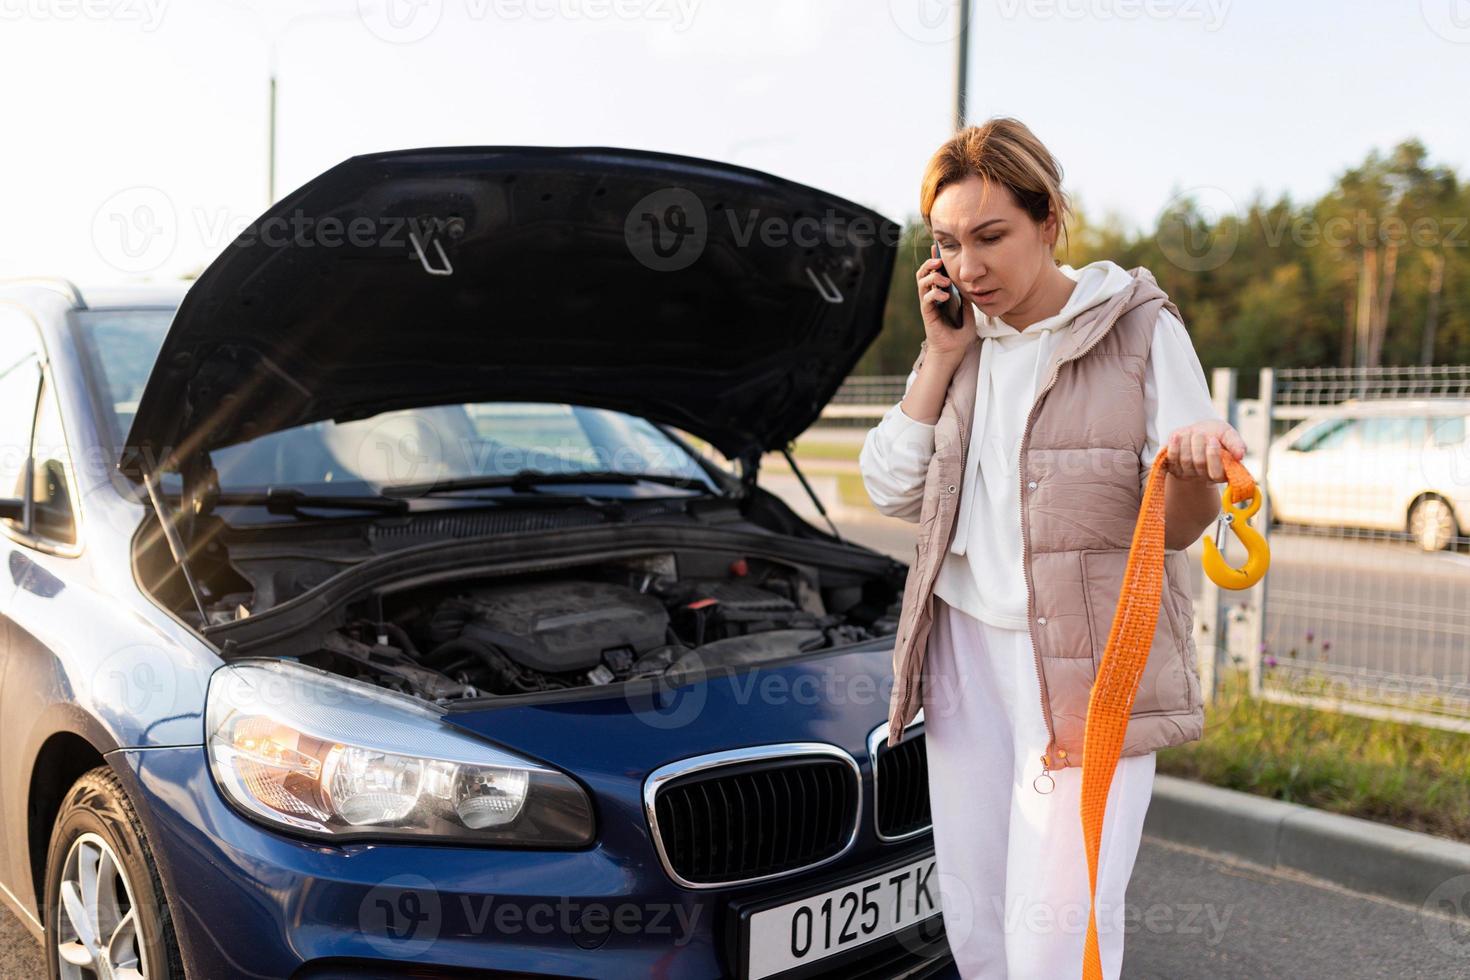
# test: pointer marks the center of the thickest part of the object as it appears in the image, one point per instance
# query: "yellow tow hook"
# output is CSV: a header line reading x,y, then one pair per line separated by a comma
x,y
1241,487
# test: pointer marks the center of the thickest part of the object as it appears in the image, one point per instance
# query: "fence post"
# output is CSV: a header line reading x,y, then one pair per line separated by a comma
x,y
1262,525
1211,610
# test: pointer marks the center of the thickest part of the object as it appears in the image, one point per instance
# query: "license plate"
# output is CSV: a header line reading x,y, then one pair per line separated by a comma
x,y
822,925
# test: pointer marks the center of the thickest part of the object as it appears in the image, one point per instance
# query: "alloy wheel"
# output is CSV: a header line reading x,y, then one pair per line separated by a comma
x,y
1432,524
97,933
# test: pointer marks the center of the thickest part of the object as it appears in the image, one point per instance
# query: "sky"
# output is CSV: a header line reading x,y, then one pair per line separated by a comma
x,y
137,129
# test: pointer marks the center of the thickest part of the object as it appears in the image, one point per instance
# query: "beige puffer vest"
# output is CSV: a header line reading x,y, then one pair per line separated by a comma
x,y
1081,490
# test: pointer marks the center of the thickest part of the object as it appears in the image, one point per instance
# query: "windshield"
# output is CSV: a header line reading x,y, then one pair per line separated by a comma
x,y
412,446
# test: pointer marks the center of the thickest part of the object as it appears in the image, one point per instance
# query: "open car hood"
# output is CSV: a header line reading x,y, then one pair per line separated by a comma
x,y
715,298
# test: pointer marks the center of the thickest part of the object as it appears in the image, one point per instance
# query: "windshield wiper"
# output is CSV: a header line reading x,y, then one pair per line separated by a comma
x,y
527,481
286,500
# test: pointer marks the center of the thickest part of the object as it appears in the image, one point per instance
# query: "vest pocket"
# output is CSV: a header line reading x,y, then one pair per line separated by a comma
x,y
1164,687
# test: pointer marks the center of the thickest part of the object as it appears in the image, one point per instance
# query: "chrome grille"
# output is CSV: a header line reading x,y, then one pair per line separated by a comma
x,y
900,783
754,813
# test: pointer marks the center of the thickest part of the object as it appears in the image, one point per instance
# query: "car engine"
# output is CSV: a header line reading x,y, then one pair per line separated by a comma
x,y
597,625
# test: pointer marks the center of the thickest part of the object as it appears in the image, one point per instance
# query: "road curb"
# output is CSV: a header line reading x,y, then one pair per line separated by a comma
x,y
1359,854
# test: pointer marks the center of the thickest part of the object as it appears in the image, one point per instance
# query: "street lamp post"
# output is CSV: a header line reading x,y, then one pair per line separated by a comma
x,y
270,172
273,36
962,65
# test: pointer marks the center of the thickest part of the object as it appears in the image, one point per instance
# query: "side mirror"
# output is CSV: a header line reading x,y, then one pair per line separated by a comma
x,y
12,509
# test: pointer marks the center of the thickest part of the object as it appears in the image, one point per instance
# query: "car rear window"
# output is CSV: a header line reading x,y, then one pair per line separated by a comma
x,y
1327,435
1393,432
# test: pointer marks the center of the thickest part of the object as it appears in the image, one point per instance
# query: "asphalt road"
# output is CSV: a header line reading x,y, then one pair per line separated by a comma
x,y
20,957
1232,921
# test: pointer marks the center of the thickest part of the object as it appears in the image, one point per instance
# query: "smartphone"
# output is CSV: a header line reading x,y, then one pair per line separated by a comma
x,y
953,308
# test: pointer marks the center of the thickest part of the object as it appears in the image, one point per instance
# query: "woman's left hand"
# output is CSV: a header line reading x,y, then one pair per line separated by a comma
x,y
1194,450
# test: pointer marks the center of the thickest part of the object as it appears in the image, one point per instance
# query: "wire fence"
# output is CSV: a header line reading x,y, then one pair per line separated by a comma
x,y
1366,608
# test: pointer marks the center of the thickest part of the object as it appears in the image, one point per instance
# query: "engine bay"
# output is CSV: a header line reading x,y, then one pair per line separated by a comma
x,y
459,606
599,624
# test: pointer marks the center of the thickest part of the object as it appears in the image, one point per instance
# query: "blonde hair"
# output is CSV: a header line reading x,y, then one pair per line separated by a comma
x,y
1004,153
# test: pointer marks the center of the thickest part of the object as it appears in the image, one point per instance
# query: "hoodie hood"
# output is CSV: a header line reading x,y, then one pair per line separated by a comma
x,y
1096,282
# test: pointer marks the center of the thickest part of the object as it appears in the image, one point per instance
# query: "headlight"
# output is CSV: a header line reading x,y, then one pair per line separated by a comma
x,y
311,751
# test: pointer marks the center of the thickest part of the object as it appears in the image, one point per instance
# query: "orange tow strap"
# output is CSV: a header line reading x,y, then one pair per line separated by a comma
x,y
1129,640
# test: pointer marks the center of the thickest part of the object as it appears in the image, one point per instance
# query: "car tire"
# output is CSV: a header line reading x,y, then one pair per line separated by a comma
x,y
98,834
1432,523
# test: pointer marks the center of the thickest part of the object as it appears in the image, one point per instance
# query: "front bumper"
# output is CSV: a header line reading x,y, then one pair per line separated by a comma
x,y
250,902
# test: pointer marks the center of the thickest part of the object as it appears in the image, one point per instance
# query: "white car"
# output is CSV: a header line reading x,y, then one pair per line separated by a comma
x,y
1402,465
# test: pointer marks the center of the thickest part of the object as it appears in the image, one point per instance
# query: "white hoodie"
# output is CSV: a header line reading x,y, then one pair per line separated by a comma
x,y
985,577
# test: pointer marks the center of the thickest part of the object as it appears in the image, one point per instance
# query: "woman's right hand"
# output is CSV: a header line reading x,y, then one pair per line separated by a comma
x,y
942,337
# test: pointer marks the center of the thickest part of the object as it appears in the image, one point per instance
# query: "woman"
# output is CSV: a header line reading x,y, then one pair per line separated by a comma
x,y
1047,406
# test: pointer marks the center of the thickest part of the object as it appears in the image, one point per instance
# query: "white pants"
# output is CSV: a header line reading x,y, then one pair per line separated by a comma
x,y
1010,861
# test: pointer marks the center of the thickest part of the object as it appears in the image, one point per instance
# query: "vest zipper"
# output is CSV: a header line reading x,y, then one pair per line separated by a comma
x,y
1026,549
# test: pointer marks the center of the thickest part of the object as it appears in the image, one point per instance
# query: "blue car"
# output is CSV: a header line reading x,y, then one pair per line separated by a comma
x,y
398,598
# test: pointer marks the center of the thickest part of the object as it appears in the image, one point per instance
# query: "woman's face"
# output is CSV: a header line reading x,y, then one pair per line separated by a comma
x,y
992,249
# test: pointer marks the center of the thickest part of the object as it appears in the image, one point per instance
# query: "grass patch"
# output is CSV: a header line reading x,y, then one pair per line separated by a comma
x,y
1407,775
812,449
850,488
